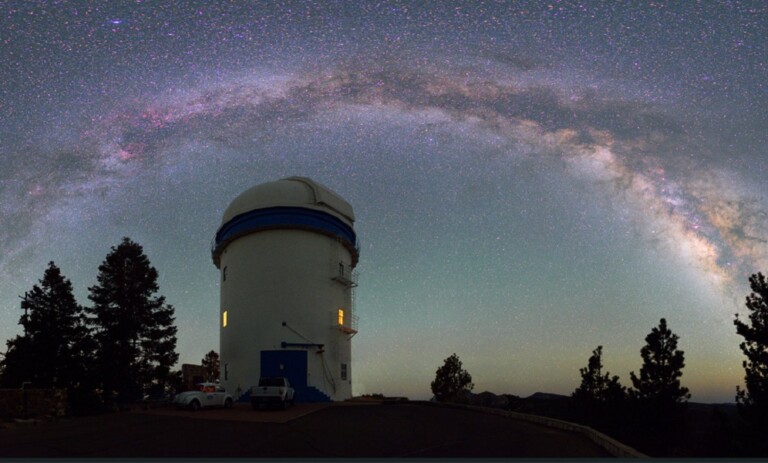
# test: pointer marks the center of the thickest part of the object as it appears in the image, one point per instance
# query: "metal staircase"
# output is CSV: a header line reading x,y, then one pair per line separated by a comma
x,y
346,276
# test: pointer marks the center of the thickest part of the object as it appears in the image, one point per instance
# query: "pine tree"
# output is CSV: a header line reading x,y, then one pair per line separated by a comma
x,y
659,383
17,365
133,327
753,401
211,365
598,393
451,381
54,349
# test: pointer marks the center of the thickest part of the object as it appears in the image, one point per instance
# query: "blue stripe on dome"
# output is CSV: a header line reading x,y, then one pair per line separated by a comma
x,y
283,217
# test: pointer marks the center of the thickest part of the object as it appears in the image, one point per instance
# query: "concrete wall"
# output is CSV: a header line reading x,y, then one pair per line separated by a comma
x,y
40,403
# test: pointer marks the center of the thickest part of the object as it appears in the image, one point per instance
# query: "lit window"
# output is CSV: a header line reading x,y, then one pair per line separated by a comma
x,y
341,317
224,319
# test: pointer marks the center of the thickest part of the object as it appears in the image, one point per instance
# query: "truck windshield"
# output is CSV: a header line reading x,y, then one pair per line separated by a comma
x,y
271,382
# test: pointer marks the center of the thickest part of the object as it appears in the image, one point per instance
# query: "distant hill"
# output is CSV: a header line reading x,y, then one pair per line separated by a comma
x,y
724,405
547,396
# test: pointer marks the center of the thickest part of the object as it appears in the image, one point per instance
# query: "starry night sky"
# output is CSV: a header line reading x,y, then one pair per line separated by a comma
x,y
530,179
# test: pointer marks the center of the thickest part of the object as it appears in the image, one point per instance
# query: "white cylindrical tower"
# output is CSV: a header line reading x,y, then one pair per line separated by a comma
x,y
286,252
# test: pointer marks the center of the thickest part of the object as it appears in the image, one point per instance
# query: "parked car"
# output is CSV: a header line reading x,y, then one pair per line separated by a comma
x,y
205,395
156,400
272,390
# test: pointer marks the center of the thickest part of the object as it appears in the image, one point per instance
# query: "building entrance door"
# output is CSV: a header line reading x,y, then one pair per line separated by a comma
x,y
291,364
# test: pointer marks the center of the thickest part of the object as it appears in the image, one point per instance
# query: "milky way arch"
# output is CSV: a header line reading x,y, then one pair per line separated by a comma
x,y
628,145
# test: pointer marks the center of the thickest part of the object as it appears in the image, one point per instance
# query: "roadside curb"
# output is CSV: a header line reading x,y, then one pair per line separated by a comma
x,y
610,444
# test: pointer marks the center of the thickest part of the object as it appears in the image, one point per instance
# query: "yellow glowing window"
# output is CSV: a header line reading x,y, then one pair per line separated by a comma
x,y
341,317
224,319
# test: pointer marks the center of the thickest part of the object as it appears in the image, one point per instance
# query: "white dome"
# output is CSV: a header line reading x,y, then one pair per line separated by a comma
x,y
291,192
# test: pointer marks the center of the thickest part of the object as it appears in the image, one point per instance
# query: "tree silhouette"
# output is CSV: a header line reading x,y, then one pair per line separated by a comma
x,y
54,350
211,365
451,380
598,393
16,366
659,383
753,401
133,328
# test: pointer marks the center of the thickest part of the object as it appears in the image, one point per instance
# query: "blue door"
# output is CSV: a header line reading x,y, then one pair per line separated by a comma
x,y
289,363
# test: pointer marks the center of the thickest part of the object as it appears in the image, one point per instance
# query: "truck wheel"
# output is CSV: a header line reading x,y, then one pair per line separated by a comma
x,y
285,404
228,403
195,405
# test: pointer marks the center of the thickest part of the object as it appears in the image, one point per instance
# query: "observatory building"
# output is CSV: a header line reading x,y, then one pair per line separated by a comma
x,y
286,251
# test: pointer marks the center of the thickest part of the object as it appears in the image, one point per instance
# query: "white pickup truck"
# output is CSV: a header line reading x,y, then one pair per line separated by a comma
x,y
272,390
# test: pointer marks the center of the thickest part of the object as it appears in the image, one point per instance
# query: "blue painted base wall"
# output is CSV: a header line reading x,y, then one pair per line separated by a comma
x,y
309,394
291,364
